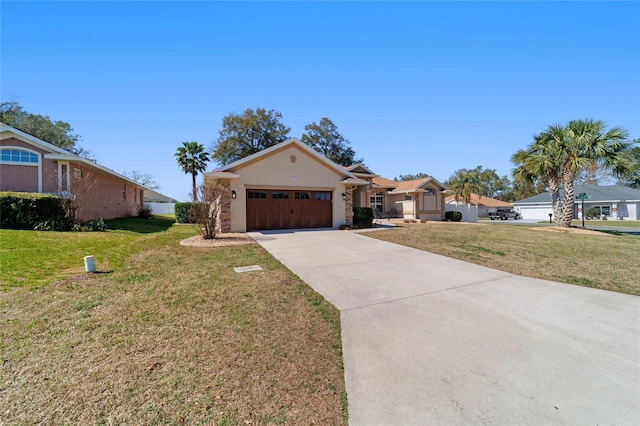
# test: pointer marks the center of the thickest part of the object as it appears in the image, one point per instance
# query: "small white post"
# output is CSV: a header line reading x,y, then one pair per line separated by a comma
x,y
89,263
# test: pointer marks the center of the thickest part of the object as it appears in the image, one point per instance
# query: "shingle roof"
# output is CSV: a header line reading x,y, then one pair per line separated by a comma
x,y
410,185
384,182
477,200
596,192
404,186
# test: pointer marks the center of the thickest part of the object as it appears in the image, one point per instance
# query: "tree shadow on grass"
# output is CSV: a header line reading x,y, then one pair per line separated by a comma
x,y
616,232
141,226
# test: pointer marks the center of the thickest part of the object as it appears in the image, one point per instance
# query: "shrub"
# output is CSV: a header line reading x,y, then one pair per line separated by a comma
x,y
453,216
60,223
362,217
182,212
25,210
592,213
207,213
94,226
144,211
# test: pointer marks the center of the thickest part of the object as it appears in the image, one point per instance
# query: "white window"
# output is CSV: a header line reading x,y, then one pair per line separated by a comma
x,y
18,156
604,210
77,173
377,201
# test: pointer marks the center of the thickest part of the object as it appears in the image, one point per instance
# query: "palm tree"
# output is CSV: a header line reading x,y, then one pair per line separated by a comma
x,y
541,161
464,184
560,153
192,158
586,141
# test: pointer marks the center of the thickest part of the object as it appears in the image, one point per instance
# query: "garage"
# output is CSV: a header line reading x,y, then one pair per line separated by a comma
x,y
535,212
288,209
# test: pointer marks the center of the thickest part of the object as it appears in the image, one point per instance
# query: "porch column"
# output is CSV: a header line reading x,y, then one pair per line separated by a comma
x,y
348,205
224,220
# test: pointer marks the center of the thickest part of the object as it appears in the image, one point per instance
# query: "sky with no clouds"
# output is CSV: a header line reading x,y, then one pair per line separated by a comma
x,y
414,86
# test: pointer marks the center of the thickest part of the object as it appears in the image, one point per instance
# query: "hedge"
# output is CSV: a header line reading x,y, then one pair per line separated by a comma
x,y
182,212
453,216
24,210
362,217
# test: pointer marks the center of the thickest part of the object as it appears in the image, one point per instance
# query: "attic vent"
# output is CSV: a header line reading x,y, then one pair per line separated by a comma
x,y
293,158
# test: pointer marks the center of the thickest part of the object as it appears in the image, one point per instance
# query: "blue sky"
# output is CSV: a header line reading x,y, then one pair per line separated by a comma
x,y
416,87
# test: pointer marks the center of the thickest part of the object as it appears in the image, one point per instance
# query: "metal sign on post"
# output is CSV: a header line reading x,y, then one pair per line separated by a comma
x,y
582,196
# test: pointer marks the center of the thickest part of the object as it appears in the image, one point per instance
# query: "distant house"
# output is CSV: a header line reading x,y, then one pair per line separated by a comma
x,y
291,186
614,202
410,199
29,164
159,203
484,204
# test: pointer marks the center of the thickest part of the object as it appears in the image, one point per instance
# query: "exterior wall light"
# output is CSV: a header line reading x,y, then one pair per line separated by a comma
x,y
344,196
233,194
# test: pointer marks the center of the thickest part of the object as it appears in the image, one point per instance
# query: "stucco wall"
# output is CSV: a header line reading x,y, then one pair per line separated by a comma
x,y
289,168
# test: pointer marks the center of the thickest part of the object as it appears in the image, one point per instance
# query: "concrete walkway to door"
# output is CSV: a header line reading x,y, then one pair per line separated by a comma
x,y
430,340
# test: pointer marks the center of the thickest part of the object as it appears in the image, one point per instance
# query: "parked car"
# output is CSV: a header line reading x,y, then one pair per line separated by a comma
x,y
504,214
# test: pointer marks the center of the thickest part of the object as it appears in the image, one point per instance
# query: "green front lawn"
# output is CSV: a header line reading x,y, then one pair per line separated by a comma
x,y
165,334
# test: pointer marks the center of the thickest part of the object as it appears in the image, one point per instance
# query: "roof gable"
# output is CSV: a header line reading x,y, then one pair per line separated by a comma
x,y
58,154
417,185
7,132
280,147
359,169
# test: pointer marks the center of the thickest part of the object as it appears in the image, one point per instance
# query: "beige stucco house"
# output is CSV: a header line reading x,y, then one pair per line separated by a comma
x,y
29,164
290,186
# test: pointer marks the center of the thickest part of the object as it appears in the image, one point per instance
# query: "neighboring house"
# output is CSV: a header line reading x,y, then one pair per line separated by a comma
x,y
409,199
615,202
290,185
159,203
29,164
484,204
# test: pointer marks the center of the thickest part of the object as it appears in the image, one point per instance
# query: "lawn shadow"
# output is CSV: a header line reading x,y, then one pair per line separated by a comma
x,y
617,232
139,225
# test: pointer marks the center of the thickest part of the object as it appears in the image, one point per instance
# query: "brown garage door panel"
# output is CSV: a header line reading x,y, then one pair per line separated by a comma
x,y
288,209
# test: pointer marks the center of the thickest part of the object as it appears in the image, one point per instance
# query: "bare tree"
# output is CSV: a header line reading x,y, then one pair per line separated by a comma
x,y
207,212
143,178
81,184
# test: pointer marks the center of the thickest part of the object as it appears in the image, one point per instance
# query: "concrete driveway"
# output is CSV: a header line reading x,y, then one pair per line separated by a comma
x,y
430,340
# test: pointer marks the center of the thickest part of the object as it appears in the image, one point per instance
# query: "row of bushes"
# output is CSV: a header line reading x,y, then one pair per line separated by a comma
x,y
26,210
42,212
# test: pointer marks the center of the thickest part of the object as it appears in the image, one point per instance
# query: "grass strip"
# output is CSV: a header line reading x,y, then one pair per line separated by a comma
x,y
604,261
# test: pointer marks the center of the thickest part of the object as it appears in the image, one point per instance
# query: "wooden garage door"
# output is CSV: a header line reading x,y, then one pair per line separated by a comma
x,y
288,209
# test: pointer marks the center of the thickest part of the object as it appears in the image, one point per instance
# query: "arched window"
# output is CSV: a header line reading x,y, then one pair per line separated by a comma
x,y
14,155
429,191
